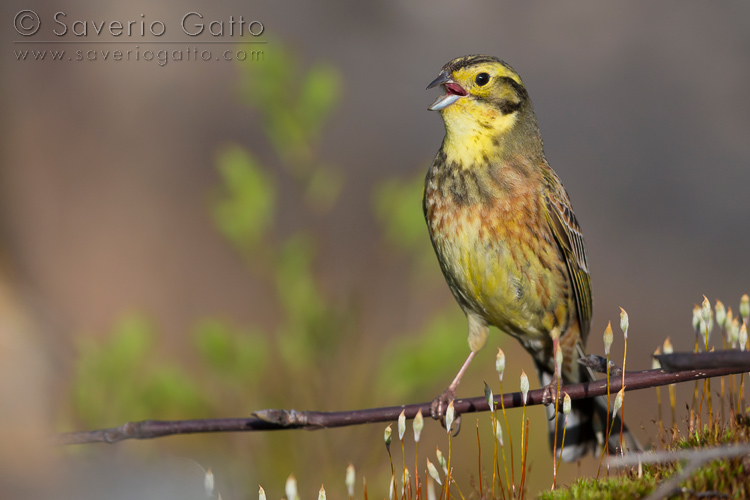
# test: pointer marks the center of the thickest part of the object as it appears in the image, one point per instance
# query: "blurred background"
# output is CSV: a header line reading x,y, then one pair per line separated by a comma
x,y
208,238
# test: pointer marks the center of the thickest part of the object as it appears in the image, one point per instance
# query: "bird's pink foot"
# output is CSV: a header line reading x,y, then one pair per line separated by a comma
x,y
440,404
550,392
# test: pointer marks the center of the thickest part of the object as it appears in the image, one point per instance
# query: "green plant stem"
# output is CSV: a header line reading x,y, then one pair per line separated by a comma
x,y
505,464
523,449
659,412
606,426
673,405
403,469
622,409
479,459
562,448
416,474
609,433
449,477
555,346
695,390
390,457
523,460
724,347
742,390
554,448
510,441
495,465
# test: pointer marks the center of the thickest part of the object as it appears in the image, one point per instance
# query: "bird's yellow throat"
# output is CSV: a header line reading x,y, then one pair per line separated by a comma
x,y
472,132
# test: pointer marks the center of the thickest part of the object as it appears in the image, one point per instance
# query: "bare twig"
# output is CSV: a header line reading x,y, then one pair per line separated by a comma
x,y
265,420
703,360
699,454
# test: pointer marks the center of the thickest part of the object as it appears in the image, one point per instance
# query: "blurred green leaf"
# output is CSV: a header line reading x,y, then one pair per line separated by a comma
x,y
241,368
171,394
302,303
290,140
320,92
293,106
414,361
239,355
245,208
398,206
313,326
324,187
123,378
265,86
295,282
215,343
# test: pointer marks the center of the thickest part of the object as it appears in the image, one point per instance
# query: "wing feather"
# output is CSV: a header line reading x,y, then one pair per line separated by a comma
x,y
567,231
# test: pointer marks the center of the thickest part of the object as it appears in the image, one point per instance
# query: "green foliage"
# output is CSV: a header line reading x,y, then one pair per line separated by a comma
x,y
239,356
397,203
320,93
304,359
398,206
614,488
312,324
294,106
125,378
245,210
415,361
323,188
297,289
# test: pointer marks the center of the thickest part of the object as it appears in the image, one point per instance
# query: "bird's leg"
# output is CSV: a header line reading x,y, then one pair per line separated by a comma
x,y
440,403
550,391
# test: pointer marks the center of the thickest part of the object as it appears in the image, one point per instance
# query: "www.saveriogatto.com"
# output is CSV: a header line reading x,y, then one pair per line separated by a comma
x,y
77,39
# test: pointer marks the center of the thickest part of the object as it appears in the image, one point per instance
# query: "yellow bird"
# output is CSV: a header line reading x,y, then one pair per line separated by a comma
x,y
504,231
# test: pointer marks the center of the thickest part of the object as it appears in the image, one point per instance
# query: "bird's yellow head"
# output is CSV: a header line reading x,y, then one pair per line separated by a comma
x,y
485,106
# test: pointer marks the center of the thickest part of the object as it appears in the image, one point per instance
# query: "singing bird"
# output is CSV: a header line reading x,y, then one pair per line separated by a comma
x,y
504,231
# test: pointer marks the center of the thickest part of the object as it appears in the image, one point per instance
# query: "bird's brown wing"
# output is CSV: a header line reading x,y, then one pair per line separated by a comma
x,y
568,234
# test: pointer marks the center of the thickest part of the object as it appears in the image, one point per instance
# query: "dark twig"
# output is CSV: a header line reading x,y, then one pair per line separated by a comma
x,y
265,420
704,360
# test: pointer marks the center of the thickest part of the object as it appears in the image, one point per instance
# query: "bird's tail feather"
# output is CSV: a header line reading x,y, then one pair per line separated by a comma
x,y
585,427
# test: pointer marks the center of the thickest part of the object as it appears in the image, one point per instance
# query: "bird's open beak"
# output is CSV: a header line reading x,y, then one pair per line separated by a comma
x,y
453,91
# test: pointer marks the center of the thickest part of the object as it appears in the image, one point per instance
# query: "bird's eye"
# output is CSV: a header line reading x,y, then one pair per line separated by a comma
x,y
482,79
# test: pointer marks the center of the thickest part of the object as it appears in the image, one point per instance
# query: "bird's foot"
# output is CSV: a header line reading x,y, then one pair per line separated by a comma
x,y
440,405
598,364
550,391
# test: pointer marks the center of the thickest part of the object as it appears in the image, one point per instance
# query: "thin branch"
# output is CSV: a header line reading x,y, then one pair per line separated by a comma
x,y
698,454
703,360
265,420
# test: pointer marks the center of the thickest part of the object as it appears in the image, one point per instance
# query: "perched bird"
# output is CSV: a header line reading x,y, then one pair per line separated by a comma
x,y
504,231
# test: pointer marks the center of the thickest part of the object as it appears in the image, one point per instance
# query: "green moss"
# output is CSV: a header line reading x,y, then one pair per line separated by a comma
x,y
610,488
726,476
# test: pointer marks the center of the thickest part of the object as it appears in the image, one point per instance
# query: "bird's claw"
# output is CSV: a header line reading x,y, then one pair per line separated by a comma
x,y
598,364
550,392
456,424
440,405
